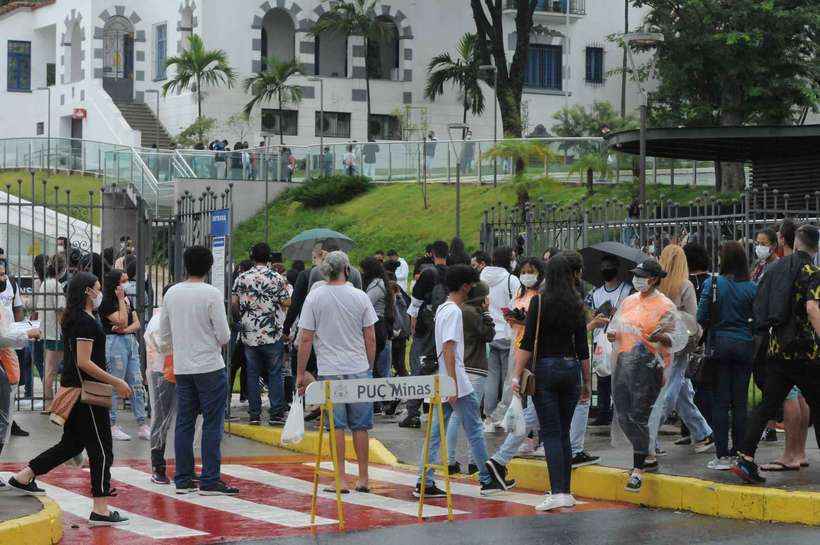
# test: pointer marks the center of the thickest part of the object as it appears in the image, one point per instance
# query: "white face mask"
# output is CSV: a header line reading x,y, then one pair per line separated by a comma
x,y
763,252
650,249
529,280
641,284
97,300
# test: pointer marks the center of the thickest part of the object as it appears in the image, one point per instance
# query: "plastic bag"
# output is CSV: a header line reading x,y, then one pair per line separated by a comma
x,y
602,355
294,430
514,422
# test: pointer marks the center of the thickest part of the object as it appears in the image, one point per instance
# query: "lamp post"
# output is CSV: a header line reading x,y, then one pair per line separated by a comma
x,y
321,122
451,129
644,39
48,124
494,70
156,134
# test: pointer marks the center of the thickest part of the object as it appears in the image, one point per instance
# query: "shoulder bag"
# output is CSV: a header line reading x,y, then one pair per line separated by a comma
x,y
527,376
700,369
93,392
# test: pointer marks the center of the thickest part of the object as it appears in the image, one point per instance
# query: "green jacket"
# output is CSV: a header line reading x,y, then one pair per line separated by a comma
x,y
479,329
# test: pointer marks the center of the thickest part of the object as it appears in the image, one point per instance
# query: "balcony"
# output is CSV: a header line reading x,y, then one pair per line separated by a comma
x,y
552,11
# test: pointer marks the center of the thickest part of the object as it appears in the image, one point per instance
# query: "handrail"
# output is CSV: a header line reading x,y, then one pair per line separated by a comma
x,y
146,172
184,164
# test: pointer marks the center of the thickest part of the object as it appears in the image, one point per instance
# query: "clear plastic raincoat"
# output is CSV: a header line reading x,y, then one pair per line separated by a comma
x,y
11,339
162,392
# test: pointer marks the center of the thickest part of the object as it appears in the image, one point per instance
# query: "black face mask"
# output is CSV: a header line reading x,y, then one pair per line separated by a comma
x,y
609,274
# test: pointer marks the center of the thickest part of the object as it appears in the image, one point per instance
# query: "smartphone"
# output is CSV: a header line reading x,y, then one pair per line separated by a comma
x,y
605,309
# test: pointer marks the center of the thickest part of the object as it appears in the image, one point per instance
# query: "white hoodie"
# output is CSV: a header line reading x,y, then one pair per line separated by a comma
x,y
503,287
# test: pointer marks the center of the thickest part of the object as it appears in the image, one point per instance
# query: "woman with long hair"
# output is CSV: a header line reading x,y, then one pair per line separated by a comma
x,y
376,285
49,303
87,426
555,336
730,341
678,393
121,324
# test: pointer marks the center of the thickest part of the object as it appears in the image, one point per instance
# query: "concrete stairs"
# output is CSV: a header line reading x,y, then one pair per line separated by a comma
x,y
140,117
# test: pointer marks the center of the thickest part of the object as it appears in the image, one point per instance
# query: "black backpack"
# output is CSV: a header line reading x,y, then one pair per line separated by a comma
x,y
426,324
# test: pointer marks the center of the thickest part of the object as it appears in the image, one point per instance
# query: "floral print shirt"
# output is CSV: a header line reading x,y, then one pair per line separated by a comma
x,y
261,292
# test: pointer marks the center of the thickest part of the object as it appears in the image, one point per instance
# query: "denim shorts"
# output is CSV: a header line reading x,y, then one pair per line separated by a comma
x,y
351,416
794,394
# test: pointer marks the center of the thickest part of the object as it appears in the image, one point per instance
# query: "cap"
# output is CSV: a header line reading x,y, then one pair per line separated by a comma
x,y
649,269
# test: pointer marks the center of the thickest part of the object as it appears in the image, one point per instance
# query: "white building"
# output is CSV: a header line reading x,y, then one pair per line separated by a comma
x,y
96,55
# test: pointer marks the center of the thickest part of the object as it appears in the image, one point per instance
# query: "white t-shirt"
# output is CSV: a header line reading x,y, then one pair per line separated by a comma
x,y
48,299
450,327
337,314
194,327
10,298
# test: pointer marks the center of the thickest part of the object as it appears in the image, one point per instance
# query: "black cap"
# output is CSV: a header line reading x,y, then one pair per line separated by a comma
x,y
649,269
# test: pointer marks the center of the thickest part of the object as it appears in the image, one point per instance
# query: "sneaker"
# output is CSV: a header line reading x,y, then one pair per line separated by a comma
x,y
660,452
159,477
144,433
555,501
118,435
277,420
705,445
254,421
17,431
539,452
684,441
431,491
472,469
492,488
634,484
770,435
410,422
186,488
526,448
112,519
218,489
454,468
584,458
651,467
498,471
720,464
747,470
30,489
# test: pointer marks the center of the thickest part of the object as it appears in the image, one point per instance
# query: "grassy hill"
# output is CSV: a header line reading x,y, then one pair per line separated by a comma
x,y
78,184
393,216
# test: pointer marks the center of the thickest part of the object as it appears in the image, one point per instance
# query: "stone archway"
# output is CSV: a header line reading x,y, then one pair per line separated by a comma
x,y
124,81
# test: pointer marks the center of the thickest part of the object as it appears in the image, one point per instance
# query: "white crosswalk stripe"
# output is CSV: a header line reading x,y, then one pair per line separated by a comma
x,y
227,504
293,484
80,506
459,488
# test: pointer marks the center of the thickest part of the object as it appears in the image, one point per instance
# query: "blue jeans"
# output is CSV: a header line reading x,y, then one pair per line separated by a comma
x,y
204,393
496,373
267,359
679,395
578,428
33,356
123,355
509,448
731,392
384,361
467,409
557,390
351,416
455,422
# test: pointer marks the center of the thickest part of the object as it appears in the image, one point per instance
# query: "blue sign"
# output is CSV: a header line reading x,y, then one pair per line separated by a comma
x,y
220,227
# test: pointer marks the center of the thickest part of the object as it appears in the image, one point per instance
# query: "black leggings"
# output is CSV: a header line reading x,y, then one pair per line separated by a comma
x,y
87,428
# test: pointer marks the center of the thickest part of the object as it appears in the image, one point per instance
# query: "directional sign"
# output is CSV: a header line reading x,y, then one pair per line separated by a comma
x,y
379,389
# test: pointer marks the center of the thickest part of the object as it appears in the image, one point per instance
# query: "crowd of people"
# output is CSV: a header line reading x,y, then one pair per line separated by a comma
x,y
514,332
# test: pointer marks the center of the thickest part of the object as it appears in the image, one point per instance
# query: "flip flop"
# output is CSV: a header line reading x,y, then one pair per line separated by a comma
x,y
804,464
778,466
332,490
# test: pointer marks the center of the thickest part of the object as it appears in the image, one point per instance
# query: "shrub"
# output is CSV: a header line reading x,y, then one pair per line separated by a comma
x,y
327,190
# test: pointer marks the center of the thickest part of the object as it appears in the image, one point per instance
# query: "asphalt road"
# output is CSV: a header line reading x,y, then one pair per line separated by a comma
x,y
616,527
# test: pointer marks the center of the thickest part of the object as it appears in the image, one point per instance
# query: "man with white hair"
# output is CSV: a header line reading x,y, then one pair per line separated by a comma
x,y
337,321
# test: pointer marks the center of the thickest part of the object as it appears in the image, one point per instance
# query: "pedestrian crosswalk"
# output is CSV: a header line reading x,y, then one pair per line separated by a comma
x,y
274,501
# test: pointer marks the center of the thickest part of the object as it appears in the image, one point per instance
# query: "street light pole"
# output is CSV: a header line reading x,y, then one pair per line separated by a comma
x,y
48,125
321,122
451,129
494,70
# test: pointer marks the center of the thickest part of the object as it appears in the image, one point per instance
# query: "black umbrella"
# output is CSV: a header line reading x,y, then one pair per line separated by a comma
x,y
628,258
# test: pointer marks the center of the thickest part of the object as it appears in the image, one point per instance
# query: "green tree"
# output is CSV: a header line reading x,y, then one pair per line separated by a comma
x,y
271,84
197,67
492,44
462,72
577,121
734,63
356,18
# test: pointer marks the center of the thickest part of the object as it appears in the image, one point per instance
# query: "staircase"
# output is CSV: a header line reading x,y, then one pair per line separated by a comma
x,y
141,118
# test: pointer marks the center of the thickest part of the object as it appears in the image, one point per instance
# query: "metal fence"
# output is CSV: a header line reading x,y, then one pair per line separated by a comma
x,y
538,226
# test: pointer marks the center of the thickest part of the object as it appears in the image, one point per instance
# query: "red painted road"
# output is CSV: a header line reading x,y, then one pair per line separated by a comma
x,y
274,501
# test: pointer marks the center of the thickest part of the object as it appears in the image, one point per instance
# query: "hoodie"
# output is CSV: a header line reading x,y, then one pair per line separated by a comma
x,y
479,329
503,287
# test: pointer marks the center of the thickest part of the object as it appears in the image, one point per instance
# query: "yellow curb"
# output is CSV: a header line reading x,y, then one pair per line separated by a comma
x,y
273,436
42,528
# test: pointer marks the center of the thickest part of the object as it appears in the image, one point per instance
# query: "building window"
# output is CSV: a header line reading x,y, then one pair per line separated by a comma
x,y
384,127
595,64
160,50
336,125
41,128
544,67
51,74
283,122
19,66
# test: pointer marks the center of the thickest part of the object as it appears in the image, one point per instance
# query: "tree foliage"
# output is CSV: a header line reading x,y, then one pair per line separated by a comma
x,y
272,84
462,72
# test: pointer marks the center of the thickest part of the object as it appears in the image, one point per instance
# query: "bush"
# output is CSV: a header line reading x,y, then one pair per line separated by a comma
x,y
327,190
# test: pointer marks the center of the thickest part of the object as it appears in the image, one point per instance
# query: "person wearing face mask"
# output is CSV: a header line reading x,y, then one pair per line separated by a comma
x,y
765,255
645,334
87,426
603,302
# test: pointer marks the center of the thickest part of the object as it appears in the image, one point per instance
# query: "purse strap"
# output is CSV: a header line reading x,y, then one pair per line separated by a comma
x,y
537,334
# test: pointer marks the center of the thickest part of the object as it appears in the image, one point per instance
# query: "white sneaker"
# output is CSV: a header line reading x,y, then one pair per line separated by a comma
x,y
720,464
555,501
489,426
569,499
145,432
526,448
118,435
539,451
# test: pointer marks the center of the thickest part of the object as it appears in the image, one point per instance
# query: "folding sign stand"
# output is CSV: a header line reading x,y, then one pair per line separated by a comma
x,y
435,405
327,409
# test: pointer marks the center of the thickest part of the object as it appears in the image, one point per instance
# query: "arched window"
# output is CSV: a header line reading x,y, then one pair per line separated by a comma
x,y
186,27
278,36
75,53
118,48
383,54
331,54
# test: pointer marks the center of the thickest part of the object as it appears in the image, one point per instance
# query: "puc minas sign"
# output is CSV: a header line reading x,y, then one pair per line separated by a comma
x,y
379,389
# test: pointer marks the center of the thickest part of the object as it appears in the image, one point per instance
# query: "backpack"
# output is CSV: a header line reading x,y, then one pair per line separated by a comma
x,y
401,321
426,320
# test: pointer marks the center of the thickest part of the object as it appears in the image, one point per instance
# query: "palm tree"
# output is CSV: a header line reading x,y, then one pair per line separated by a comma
x,y
273,83
198,66
462,72
355,18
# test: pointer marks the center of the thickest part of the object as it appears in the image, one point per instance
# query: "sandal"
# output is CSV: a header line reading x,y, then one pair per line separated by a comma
x,y
778,466
363,489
